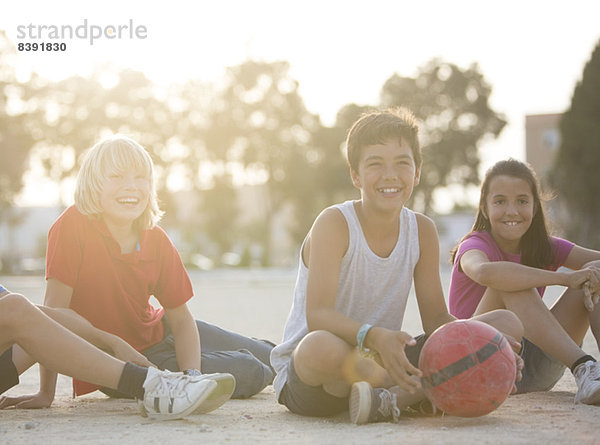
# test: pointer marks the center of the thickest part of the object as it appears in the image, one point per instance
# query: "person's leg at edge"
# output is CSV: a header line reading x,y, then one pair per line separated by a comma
x,y
41,339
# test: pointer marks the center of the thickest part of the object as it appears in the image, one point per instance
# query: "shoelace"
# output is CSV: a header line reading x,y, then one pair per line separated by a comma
x,y
172,384
593,371
389,405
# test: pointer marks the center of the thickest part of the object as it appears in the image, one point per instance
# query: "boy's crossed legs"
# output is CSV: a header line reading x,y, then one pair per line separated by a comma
x,y
326,367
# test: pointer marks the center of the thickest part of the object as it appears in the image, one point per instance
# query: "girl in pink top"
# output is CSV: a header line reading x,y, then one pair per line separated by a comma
x,y
506,262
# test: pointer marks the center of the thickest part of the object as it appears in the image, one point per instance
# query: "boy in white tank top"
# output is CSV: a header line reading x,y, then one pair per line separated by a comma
x,y
357,265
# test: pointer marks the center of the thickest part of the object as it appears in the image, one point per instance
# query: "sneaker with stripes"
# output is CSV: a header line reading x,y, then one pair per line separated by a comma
x,y
173,395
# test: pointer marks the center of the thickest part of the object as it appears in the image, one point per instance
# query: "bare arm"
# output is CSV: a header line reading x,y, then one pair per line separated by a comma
x,y
185,334
511,277
323,253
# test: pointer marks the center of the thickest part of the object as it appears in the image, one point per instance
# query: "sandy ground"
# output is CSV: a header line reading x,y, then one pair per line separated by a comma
x,y
256,303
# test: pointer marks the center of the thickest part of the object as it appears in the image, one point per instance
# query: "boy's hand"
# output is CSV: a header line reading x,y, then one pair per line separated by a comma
x,y
30,401
390,346
520,364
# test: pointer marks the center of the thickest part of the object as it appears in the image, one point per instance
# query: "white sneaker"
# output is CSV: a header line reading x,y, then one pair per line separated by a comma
x,y
587,376
225,385
170,395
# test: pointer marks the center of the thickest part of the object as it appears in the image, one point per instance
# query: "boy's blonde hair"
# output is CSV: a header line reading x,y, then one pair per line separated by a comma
x,y
116,153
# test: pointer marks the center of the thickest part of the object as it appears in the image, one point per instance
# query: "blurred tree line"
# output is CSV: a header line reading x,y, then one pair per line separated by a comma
x,y
217,142
579,158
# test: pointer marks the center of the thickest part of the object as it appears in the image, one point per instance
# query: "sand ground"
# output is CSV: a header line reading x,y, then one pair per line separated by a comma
x,y
256,303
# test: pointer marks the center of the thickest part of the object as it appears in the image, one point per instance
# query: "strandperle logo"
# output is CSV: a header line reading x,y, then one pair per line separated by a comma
x,y
84,31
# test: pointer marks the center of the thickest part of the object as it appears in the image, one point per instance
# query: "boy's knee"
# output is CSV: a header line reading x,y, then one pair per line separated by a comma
x,y
319,349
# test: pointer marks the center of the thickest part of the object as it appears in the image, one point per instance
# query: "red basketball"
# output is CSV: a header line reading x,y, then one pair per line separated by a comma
x,y
468,368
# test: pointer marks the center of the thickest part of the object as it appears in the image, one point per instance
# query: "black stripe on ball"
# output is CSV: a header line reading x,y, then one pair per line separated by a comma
x,y
467,362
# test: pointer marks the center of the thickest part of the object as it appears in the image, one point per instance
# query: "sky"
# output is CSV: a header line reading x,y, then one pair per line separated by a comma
x,y
531,52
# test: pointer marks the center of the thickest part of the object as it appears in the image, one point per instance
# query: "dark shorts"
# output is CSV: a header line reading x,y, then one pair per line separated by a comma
x,y
541,371
314,401
9,376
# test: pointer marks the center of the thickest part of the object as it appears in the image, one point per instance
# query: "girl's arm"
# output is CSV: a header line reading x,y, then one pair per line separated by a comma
x,y
185,334
580,257
511,277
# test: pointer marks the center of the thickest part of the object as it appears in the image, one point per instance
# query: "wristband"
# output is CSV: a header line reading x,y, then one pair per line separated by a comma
x,y
362,333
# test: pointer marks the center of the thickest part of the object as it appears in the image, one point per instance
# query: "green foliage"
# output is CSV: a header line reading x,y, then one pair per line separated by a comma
x,y
575,170
255,123
16,138
219,222
452,105
260,122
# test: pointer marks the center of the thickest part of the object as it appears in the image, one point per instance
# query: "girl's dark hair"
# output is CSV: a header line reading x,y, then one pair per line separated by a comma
x,y
536,245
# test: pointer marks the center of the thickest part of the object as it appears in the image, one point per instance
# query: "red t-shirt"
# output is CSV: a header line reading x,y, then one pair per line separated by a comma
x,y
112,290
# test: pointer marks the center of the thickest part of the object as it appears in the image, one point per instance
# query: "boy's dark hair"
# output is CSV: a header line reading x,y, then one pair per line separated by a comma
x,y
536,246
378,127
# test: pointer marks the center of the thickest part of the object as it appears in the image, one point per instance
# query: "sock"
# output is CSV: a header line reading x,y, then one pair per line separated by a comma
x,y
132,380
579,361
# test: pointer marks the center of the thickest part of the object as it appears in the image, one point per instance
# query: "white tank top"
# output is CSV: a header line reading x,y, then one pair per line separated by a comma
x,y
371,289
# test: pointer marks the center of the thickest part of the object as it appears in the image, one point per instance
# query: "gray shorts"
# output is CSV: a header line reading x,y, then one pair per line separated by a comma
x,y
541,371
9,376
314,401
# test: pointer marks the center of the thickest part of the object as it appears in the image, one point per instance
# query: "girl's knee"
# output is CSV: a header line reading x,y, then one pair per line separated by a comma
x,y
14,308
514,325
505,321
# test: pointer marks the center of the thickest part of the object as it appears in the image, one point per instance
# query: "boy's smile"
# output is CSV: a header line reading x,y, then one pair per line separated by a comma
x,y
124,196
386,174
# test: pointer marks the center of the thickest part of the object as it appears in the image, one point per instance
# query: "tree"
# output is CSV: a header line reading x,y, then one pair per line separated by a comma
x,y
78,112
453,107
575,169
259,122
16,139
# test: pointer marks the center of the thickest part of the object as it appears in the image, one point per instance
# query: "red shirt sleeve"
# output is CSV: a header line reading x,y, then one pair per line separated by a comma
x,y
65,247
173,287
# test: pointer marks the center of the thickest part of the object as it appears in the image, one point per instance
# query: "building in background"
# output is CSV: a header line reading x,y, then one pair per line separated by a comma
x,y
542,141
